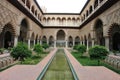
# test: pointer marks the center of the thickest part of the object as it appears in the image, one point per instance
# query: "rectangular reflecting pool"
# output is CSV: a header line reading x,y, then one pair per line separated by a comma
x,y
59,68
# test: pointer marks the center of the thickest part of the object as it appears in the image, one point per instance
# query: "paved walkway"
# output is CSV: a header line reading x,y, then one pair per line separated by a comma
x,y
91,72
31,72
26,72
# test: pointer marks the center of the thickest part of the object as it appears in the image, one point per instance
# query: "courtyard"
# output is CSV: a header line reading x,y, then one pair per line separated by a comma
x,y
36,72
39,44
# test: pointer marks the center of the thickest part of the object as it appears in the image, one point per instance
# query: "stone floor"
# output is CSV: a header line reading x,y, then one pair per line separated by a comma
x,y
31,72
91,72
26,72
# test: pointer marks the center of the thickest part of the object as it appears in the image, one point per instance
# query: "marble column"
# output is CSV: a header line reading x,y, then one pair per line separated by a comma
x,y
28,43
93,42
66,44
87,44
83,42
40,42
54,43
73,43
15,41
34,42
47,41
65,22
107,43
80,42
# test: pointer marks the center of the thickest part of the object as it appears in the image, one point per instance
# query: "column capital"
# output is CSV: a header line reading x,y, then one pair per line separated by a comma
x,y
104,25
16,35
92,30
93,39
19,25
28,38
106,36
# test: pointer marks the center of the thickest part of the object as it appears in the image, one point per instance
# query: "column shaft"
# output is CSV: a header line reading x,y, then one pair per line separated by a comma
x,y
55,44
28,43
93,42
66,45
15,41
107,42
73,43
87,44
34,42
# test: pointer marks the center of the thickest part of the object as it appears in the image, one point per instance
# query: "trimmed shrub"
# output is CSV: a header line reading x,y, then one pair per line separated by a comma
x,y
21,51
81,48
38,49
98,53
45,46
75,47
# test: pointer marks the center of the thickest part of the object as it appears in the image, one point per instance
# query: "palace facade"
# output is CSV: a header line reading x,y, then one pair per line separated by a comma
x,y
97,24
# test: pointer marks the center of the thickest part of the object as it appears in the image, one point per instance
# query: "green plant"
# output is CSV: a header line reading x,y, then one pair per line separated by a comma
x,y
34,59
45,46
75,47
2,50
21,51
92,62
38,49
10,49
81,48
98,53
